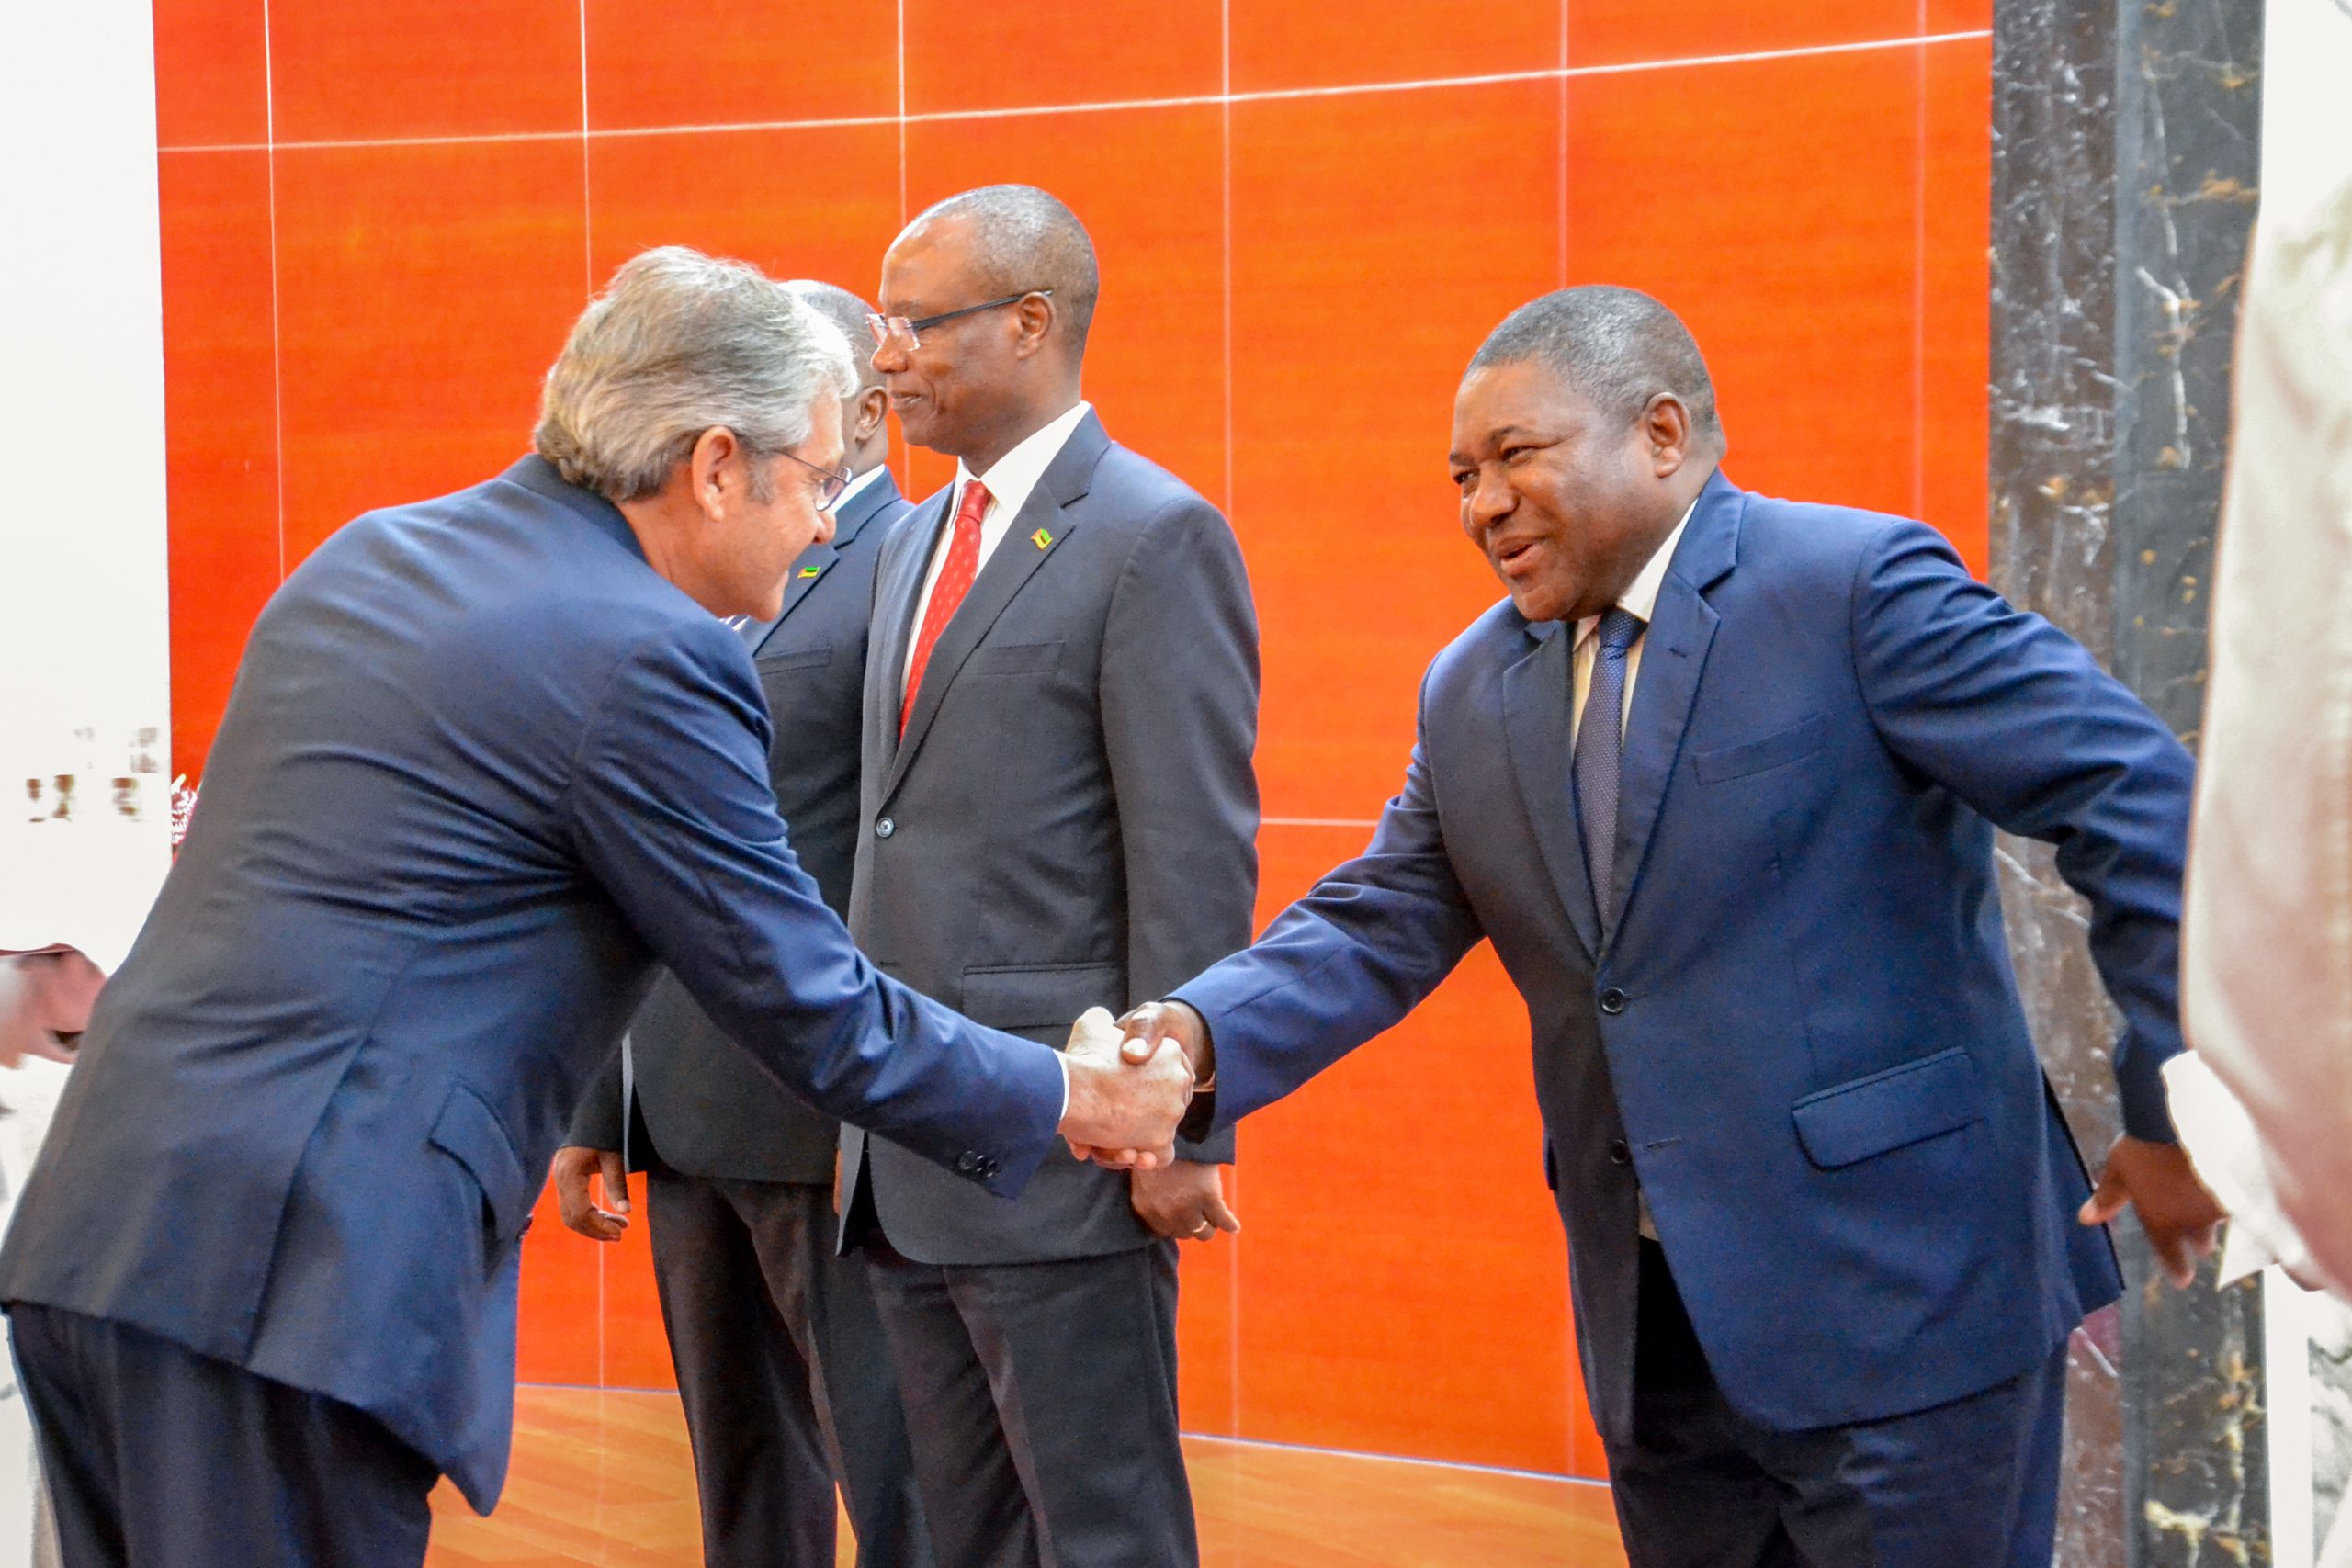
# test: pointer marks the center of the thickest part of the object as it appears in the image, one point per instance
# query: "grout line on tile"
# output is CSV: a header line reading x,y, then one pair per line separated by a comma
x,y
587,207
1564,144
1225,87
277,348
902,130
364,142
1200,100
1571,1392
1919,284
1401,1459
1224,145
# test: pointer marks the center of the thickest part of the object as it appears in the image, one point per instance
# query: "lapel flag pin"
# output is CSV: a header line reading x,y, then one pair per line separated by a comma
x,y
1041,538
811,570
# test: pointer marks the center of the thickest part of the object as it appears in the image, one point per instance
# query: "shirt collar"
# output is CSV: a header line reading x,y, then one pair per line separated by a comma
x,y
857,486
1640,598
1016,473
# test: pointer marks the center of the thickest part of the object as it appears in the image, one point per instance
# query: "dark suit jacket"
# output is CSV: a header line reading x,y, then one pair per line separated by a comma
x,y
704,1105
1070,820
1806,1015
481,767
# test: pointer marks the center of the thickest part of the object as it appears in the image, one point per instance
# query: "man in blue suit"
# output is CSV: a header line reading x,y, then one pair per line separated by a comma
x,y
1720,780
487,758
781,1362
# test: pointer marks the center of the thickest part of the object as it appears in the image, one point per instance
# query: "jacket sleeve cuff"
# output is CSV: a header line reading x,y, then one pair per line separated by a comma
x,y
1199,1130
2147,1112
596,1121
1217,1148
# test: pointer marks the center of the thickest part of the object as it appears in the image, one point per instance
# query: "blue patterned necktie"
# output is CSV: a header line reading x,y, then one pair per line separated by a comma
x,y
1600,756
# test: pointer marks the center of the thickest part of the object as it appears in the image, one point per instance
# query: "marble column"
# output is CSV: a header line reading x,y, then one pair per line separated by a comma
x,y
2124,160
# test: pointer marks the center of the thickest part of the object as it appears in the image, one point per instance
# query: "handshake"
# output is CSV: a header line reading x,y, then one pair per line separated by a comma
x,y
1131,1082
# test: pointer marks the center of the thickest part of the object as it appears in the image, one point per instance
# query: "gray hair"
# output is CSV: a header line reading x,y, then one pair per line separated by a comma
x,y
1618,346
680,343
1026,238
848,312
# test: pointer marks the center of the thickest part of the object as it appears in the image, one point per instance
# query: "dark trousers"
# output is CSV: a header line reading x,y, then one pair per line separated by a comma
x,y
1042,1400
1969,1484
785,1375
158,1457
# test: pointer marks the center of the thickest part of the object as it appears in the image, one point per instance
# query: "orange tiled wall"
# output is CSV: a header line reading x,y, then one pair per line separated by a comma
x,y
379,219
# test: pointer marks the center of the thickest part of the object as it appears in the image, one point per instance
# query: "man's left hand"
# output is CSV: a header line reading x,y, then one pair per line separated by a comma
x,y
1184,1201
2181,1218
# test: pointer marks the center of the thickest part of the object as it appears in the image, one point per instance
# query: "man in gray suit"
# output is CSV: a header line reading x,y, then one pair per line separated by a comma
x,y
780,1358
1061,702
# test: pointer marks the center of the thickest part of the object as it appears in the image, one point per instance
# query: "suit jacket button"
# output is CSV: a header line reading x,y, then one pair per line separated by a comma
x,y
968,1163
885,828
1618,1154
1613,1001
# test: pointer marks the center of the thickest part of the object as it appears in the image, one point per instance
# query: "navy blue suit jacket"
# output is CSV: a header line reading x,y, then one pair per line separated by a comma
x,y
480,768
1803,1041
706,1107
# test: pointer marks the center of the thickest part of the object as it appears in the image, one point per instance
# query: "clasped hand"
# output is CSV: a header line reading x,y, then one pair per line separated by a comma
x,y
1124,1107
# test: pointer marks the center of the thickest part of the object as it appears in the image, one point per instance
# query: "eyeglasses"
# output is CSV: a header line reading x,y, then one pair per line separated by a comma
x,y
835,480
897,330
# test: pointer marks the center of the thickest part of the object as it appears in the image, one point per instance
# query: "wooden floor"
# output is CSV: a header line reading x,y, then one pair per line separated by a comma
x,y
602,1479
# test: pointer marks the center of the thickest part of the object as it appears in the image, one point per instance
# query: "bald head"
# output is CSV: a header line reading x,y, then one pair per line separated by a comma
x,y
1617,346
1023,238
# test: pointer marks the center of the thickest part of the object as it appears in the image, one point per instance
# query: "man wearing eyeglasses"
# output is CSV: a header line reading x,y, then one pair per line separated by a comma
x,y
489,758
1059,812
780,1358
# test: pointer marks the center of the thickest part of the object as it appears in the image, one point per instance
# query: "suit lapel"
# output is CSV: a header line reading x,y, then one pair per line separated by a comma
x,y
1674,654
1016,559
1536,694
810,565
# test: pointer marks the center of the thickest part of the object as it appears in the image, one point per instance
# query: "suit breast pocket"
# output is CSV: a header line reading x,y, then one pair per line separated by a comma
x,y
1013,658
1778,750
1851,1121
794,658
1043,1000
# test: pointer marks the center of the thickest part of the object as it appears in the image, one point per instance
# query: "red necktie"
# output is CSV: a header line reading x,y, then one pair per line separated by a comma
x,y
954,582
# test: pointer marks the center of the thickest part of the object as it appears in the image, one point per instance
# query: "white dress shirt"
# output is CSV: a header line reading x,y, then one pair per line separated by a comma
x,y
1009,480
1641,599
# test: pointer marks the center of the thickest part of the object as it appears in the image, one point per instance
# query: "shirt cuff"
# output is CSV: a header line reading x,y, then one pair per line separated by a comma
x,y
1063,1063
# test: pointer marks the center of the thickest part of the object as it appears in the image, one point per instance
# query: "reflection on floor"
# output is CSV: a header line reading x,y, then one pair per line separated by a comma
x,y
601,1481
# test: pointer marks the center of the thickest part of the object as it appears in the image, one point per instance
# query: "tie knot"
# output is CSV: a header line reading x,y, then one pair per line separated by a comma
x,y
1619,628
975,503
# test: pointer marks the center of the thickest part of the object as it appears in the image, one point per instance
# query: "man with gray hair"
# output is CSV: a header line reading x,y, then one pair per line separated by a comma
x,y
1719,780
780,1357
489,757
